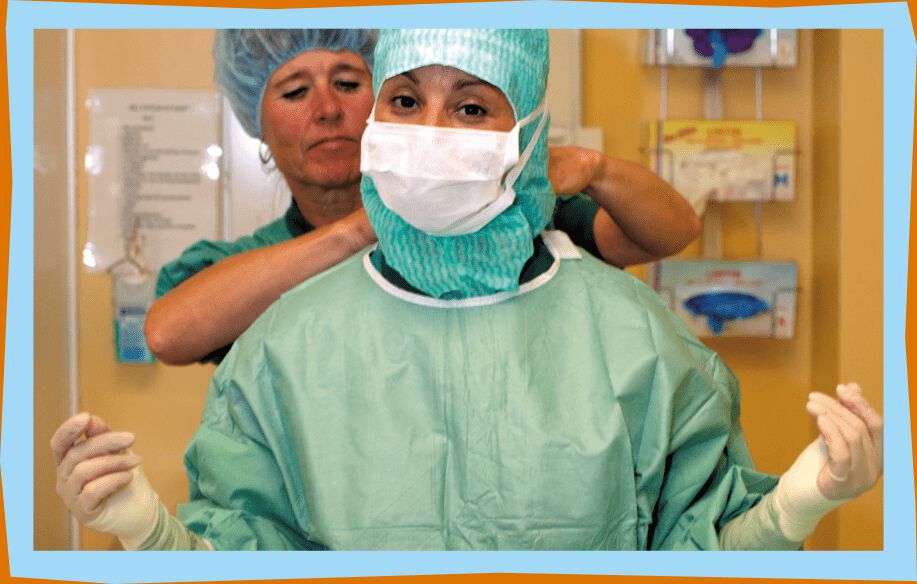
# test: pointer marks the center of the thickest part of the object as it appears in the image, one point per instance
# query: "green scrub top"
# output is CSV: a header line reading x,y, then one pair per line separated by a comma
x,y
579,415
573,214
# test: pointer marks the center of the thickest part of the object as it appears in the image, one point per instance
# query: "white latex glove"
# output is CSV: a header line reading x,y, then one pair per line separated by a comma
x,y
852,431
100,481
843,462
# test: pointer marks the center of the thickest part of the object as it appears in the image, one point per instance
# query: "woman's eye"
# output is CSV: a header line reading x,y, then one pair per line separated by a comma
x,y
348,86
473,110
403,101
296,93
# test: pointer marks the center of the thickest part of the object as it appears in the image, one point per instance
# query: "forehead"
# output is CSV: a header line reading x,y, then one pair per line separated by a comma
x,y
319,62
442,77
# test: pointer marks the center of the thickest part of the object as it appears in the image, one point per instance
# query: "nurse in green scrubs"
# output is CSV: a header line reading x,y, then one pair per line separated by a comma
x,y
306,94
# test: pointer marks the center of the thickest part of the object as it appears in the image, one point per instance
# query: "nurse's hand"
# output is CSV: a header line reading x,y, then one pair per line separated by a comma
x,y
572,168
90,469
852,431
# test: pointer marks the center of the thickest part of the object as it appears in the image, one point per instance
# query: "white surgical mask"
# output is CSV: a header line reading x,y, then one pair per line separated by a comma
x,y
445,181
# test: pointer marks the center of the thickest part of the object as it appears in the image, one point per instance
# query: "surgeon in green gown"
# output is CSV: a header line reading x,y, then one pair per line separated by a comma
x,y
474,381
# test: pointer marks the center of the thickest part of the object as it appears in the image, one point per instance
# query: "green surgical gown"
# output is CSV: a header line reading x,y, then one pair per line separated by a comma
x,y
573,214
579,415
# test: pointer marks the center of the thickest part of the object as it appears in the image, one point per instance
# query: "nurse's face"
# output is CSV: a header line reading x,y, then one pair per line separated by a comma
x,y
313,115
436,95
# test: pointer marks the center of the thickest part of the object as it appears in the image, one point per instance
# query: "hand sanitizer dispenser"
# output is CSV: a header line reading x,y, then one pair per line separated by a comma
x,y
133,295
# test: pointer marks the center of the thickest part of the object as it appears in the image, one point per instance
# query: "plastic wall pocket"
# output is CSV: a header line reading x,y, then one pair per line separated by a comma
x,y
132,296
726,160
730,298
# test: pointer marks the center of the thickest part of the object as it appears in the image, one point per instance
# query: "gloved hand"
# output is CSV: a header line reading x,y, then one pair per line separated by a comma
x,y
843,462
852,431
100,481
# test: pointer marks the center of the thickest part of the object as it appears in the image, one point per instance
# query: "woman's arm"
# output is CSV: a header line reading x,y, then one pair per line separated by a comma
x,y
212,308
102,485
641,218
844,462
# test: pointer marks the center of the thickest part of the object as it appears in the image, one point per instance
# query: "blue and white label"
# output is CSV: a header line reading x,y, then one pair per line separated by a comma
x,y
130,342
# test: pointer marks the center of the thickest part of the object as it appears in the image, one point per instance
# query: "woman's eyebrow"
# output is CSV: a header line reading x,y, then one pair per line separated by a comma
x,y
347,68
298,74
410,76
471,82
308,74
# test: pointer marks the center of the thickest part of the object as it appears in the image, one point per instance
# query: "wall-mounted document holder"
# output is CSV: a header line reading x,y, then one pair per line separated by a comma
x,y
768,47
726,160
730,299
152,168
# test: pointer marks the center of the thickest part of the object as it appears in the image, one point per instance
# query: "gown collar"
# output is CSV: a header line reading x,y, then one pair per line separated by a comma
x,y
550,248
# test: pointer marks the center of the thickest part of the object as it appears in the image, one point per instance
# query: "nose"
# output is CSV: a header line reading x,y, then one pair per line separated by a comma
x,y
435,114
327,105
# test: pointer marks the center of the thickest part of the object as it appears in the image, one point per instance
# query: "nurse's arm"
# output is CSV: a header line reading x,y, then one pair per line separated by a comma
x,y
642,218
845,461
212,308
101,484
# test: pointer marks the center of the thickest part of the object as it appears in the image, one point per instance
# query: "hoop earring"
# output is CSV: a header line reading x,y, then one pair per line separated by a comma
x,y
264,153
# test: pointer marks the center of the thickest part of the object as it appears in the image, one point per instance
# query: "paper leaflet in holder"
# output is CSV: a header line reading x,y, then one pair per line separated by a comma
x,y
153,155
730,298
725,160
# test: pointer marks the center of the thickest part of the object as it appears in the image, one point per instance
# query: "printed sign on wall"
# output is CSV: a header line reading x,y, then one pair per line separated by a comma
x,y
153,169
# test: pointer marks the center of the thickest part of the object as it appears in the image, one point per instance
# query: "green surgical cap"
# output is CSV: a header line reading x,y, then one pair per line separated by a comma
x,y
246,58
489,260
514,60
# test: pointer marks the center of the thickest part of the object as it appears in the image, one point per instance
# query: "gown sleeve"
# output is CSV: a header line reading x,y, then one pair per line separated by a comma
x,y
709,476
757,529
239,496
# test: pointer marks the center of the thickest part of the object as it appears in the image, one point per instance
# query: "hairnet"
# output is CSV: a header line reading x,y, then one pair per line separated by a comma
x,y
491,259
246,58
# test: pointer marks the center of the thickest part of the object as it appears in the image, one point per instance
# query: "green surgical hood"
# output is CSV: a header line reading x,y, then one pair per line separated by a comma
x,y
579,415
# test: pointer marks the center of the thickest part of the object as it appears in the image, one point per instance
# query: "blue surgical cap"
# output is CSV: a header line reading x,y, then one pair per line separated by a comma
x,y
246,58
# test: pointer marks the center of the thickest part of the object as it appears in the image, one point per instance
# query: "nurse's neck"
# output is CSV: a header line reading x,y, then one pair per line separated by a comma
x,y
321,206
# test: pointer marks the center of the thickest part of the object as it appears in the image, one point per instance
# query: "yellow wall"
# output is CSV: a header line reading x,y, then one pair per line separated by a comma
x,y
858,239
832,230
162,405
837,209
52,376
774,374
